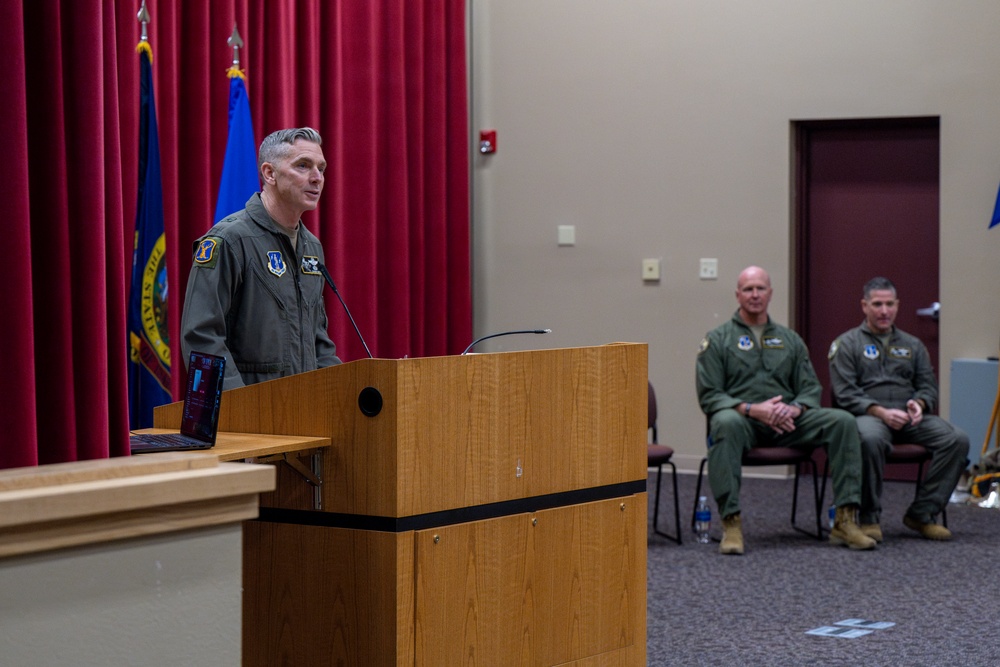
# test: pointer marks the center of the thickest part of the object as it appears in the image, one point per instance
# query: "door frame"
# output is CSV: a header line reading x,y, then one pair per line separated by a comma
x,y
800,130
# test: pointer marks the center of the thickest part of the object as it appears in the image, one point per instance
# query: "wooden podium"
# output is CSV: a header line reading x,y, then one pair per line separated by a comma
x,y
484,509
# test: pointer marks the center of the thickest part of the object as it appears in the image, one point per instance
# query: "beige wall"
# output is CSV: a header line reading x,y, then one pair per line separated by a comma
x,y
661,128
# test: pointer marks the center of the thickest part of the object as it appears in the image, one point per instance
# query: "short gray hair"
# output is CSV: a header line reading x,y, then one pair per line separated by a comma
x,y
275,145
877,284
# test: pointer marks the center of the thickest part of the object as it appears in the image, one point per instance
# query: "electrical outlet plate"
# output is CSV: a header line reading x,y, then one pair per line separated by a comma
x,y
651,269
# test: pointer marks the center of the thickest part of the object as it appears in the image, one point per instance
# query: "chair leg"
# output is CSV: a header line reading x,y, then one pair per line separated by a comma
x,y
677,503
656,501
795,493
816,501
656,505
822,492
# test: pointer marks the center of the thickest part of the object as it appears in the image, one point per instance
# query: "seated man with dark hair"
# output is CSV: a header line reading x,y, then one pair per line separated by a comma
x,y
884,377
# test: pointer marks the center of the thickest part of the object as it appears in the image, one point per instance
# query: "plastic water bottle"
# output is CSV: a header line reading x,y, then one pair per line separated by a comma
x,y
702,520
833,515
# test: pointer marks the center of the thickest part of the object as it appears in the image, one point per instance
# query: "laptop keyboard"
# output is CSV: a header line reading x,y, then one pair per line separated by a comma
x,y
166,439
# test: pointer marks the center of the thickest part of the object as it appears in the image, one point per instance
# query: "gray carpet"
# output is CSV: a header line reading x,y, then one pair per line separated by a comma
x,y
708,609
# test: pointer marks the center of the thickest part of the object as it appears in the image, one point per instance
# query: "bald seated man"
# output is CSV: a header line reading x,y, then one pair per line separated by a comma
x,y
758,388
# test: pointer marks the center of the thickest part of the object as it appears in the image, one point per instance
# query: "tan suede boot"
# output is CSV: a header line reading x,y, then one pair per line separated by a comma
x,y
846,530
930,531
732,535
872,530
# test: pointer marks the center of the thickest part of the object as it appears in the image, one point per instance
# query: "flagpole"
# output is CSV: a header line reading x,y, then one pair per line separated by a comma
x,y
149,341
236,42
143,18
239,179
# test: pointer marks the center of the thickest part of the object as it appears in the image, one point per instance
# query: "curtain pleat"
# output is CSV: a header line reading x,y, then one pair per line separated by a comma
x,y
115,231
382,80
17,409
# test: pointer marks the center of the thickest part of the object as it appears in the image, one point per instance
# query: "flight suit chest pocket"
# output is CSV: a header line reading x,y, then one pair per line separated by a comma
x,y
899,362
775,353
744,351
272,285
312,288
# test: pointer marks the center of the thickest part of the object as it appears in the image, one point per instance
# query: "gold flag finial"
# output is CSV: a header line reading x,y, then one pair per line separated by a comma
x,y
143,18
236,42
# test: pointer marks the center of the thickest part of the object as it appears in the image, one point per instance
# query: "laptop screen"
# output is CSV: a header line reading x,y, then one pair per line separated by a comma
x,y
202,398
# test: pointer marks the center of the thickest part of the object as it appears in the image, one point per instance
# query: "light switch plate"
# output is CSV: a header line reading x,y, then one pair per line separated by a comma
x,y
567,235
709,268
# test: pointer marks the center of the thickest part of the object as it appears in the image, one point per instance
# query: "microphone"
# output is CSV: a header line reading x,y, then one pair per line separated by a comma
x,y
333,286
506,333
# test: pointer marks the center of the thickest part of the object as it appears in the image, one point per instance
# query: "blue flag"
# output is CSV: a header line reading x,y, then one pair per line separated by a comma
x,y
996,213
149,342
239,170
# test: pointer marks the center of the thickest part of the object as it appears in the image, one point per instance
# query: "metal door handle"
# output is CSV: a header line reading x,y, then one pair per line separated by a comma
x,y
934,312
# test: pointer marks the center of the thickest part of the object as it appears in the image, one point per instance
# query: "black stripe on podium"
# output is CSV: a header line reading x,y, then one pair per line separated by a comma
x,y
449,517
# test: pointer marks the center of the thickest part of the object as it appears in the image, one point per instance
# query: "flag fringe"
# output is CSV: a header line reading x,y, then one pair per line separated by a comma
x,y
144,47
234,72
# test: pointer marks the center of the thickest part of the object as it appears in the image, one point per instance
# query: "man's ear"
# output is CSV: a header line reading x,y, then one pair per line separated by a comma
x,y
267,172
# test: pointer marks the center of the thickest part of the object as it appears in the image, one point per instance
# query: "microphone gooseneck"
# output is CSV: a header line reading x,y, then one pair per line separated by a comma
x,y
506,333
333,286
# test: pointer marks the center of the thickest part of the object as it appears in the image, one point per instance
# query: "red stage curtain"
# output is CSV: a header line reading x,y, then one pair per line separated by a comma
x,y
19,445
384,81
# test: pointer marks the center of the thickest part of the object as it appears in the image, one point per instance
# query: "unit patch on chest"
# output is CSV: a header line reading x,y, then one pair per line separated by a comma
x,y
871,352
275,263
745,343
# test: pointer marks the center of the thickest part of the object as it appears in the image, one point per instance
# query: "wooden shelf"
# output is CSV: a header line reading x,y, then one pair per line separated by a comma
x,y
71,504
231,446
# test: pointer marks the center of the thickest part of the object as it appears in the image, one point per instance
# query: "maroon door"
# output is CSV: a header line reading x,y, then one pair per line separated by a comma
x,y
867,194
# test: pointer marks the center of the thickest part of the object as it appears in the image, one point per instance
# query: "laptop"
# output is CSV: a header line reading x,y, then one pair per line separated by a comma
x,y
200,420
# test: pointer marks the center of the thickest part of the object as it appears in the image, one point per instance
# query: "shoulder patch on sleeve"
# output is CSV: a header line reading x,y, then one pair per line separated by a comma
x,y
206,253
834,346
703,346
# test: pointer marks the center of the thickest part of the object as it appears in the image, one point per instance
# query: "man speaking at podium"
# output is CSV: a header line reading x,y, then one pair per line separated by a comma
x,y
255,291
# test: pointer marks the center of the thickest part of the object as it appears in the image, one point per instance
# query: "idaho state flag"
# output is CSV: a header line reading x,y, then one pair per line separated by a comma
x,y
239,170
149,343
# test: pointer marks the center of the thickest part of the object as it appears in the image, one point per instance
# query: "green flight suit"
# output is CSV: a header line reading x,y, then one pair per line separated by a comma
x,y
257,301
864,372
733,368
